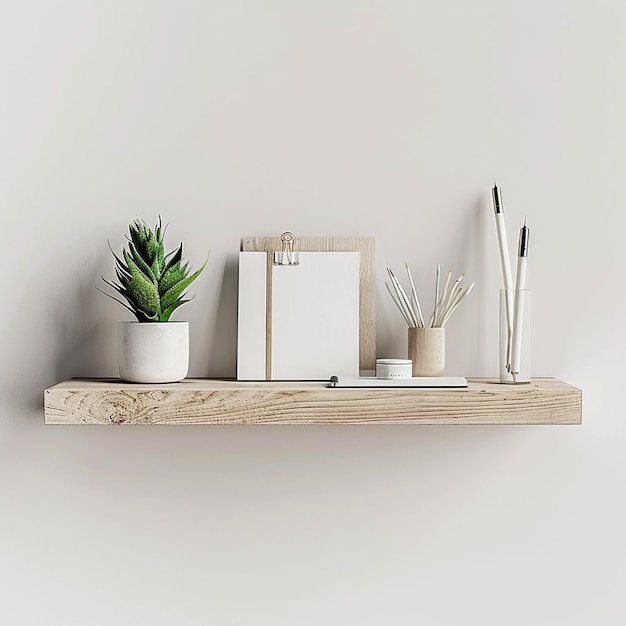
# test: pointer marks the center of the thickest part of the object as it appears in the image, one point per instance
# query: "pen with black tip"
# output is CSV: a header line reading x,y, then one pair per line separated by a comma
x,y
518,306
505,262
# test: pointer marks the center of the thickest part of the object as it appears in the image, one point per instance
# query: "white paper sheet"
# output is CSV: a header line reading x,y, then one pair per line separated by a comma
x,y
314,324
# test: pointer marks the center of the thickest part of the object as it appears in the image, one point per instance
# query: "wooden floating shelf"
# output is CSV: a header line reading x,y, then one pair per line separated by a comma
x,y
209,401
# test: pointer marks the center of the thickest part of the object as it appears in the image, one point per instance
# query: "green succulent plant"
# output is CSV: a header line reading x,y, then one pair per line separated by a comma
x,y
152,282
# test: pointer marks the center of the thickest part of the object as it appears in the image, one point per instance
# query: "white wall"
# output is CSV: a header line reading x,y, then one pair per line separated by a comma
x,y
327,118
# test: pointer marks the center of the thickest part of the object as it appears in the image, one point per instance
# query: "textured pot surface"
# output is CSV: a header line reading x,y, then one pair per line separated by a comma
x,y
153,352
427,350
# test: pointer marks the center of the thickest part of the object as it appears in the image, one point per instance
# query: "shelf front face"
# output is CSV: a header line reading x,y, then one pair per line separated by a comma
x,y
220,402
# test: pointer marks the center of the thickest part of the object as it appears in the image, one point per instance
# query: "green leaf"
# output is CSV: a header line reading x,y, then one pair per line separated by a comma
x,y
157,269
136,266
141,264
174,293
122,276
108,295
152,247
148,243
160,232
118,262
158,265
161,259
170,277
138,235
143,291
178,255
127,295
165,315
131,306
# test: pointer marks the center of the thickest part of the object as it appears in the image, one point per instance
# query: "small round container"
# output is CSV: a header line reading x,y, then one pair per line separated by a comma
x,y
394,368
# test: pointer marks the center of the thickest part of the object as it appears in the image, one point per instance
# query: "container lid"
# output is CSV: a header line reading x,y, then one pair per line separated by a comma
x,y
393,362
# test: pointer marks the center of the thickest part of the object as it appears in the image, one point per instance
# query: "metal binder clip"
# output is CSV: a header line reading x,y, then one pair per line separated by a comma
x,y
287,256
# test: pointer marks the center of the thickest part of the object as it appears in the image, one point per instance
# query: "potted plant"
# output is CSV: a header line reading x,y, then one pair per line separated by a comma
x,y
153,284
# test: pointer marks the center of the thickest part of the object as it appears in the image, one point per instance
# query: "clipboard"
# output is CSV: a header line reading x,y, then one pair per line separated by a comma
x,y
366,247
298,314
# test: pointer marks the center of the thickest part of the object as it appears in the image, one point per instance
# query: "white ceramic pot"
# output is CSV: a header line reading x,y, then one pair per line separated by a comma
x,y
153,352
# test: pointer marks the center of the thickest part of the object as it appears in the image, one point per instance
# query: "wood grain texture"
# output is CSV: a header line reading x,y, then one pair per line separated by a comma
x,y
367,292
427,351
206,401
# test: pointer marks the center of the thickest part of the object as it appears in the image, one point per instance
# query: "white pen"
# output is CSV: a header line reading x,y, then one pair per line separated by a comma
x,y
518,307
505,262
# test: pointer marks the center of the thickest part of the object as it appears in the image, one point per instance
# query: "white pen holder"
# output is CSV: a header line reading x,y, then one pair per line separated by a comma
x,y
507,299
